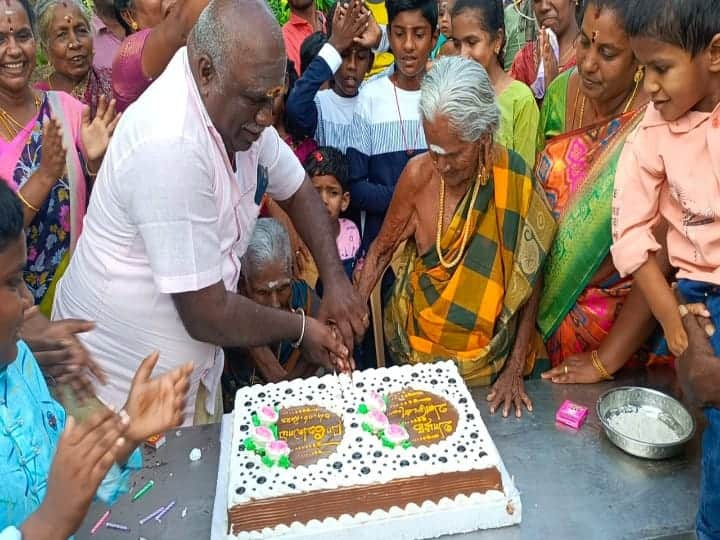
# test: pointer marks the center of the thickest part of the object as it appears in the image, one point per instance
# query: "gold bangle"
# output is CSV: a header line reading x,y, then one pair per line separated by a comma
x,y
597,363
26,203
87,169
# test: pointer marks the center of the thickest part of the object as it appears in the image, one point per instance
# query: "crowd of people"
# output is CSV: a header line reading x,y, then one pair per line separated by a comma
x,y
527,188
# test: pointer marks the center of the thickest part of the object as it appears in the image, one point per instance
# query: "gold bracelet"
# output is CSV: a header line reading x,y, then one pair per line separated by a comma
x,y
26,203
87,169
597,363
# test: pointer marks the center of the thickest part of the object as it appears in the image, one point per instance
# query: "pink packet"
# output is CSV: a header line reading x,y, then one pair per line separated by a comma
x,y
571,414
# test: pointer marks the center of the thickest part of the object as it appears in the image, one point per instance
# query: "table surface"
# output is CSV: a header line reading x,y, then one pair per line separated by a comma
x,y
572,484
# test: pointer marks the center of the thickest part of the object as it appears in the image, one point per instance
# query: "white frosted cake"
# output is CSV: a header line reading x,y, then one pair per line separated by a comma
x,y
397,453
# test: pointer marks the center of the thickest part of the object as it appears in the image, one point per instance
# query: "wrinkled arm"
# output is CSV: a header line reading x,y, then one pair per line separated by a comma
x,y
399,225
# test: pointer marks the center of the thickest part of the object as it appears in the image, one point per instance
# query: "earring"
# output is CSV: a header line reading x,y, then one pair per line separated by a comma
x,y
134,26
639,74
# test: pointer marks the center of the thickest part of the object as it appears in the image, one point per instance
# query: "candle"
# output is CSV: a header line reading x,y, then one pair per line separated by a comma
x,y
143,490
100,522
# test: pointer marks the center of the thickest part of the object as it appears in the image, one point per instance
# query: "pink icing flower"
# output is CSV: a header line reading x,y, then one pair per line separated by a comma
x,y
396,434
375,402
262,436
377,420
277,449
267,415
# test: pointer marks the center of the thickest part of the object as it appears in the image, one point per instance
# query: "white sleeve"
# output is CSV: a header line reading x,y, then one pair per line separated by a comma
x,y
171,200
285,173
10,533
384,45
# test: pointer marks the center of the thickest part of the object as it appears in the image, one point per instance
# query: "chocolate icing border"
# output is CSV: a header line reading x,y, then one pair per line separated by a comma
x,y
271,512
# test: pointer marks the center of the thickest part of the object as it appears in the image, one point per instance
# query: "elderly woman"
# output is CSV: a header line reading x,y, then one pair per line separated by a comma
x,y
49,150
592,320
539,61
66,38
158,30
477,229
267,279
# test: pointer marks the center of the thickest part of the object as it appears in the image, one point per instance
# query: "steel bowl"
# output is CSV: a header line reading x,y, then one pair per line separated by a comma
x,y
654,404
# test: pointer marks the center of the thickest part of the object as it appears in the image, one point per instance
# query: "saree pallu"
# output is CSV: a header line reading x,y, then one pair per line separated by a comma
x,y
469,314
53,233
577,307
99,83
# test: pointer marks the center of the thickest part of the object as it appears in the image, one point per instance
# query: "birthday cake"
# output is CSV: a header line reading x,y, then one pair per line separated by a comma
x,y
399,452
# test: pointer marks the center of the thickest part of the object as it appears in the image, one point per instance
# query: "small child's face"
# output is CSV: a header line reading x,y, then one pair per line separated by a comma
x,y
676,82
13,298
332,195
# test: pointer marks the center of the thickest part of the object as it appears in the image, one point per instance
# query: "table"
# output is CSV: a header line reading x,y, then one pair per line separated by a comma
x,y
572,484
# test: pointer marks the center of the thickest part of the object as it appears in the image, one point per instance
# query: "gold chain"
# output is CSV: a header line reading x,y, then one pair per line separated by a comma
x,y
625,110
480,179
10,124
78,91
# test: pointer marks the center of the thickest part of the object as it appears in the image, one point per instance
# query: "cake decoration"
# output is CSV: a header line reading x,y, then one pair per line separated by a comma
x,y
376,422
311,432
428,417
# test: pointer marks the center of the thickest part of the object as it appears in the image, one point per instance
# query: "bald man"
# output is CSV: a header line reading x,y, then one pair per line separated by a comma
x,y
174,206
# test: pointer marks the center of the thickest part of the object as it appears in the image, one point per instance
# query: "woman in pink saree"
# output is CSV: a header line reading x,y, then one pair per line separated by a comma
x,y
49,150
159,29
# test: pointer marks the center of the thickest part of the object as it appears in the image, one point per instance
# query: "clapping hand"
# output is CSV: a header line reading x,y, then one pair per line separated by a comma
x,y
96,134
156,405
52,160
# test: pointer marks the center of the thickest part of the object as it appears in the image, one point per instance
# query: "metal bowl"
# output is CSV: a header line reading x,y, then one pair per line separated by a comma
x,y
648,402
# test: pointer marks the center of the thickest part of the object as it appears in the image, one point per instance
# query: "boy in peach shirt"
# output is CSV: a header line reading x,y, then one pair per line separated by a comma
x,y
670,169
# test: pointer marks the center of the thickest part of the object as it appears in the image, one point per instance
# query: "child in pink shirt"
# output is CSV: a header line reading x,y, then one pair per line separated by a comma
x,y
670,169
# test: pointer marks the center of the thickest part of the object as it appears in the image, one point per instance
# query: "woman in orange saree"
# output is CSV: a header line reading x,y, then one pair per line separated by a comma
x,y
591,320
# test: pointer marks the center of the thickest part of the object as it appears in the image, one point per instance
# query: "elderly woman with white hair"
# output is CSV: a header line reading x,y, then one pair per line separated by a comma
x,y
478,229
267,279
66,39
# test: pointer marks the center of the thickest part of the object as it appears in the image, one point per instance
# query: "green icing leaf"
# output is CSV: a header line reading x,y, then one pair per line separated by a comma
x,y
407,444
387,443
362,409
267,461
250,445
366,427
284,462
274,429
255,420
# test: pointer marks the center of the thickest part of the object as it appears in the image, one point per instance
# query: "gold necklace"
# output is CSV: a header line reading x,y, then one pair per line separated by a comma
x,y
10,124
78,91
625,109
480,180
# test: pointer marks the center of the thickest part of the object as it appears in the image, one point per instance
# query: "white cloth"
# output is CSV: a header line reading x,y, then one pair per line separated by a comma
x,y
167,215
538,86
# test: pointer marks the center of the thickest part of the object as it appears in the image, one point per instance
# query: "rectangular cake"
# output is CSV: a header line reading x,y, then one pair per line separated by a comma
x,y
399,452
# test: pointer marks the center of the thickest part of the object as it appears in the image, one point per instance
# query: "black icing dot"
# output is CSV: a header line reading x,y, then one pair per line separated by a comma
x,y
434,382
249,465
452,380
414,375
462,400
386,379
360,384
291,486
261,480
261,395
438,370
241,448
244,427
240,490
474,435
424,456
365,470
404,463
322,386
461,448
377,453
324,480
442,459
337,465
248,404
276,404
288,390
357,455
350,410
470,417
309,397
358,439
482,454
354,425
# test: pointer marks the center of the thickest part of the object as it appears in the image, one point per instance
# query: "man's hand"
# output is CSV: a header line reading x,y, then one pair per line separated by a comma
x,y
372,36
343,306
508,391
84,455
156,405
350,21
323,346
60,353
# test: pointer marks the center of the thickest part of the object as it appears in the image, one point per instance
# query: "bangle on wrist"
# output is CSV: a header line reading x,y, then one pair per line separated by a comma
x,y
87,169
599,366
299,341
27,203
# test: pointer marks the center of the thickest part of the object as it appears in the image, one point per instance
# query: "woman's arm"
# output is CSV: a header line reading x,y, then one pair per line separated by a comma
x,y
398,225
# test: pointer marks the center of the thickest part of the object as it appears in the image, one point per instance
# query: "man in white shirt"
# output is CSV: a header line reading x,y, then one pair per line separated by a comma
x,y
174,206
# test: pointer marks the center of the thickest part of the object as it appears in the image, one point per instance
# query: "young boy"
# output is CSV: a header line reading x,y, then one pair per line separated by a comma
x,y
326,115
305,19
386,130
49,502
669,171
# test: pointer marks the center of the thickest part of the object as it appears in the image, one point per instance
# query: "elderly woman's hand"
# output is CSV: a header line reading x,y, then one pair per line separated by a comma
x,y
96,134
509,391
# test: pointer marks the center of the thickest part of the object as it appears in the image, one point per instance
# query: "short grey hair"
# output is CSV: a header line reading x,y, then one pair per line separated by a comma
x,y
460,90
270,243
210,38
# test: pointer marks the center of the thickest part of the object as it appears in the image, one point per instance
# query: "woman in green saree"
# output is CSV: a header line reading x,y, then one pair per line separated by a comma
x,y
592,321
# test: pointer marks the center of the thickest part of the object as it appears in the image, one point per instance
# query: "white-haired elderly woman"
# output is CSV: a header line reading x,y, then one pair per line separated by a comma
x,y
478,229
66,39
267,278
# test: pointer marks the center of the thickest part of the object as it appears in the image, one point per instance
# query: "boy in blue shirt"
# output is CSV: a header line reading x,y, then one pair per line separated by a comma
x,y
50,465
